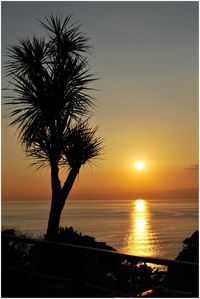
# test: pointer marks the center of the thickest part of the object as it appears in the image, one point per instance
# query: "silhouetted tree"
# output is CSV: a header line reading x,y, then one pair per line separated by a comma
x,y
50,78
184,277
190,251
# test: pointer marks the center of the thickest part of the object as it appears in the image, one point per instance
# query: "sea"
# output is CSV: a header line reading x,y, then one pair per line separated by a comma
x,y
141,227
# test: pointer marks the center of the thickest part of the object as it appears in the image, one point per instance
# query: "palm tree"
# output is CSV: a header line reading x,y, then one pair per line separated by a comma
x,y
50,79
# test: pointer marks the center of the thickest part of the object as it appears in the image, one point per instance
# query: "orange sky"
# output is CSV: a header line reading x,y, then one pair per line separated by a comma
x,y
147,106
112,174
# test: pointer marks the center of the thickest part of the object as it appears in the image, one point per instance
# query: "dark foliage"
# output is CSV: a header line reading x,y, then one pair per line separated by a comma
x,y
190,251
70,236
183,278
82,270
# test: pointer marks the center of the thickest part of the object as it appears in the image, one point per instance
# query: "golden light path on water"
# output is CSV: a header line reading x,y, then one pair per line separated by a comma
x,y
141,240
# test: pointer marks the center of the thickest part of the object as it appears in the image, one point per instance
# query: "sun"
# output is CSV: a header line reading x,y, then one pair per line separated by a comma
x,y
139,165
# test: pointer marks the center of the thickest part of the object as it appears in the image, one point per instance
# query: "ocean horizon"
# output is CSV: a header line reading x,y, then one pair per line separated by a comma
x,y
143,227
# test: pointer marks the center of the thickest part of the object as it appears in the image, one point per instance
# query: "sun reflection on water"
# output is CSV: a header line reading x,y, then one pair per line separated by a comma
x,y
141,240
140,205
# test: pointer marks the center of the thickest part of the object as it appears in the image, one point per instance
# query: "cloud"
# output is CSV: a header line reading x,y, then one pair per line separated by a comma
x,y
192,167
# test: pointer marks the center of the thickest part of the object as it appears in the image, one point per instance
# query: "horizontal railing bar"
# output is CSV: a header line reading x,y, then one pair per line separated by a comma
x,y
157,261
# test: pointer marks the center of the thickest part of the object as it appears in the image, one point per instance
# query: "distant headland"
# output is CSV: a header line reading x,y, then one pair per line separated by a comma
x,y
174,194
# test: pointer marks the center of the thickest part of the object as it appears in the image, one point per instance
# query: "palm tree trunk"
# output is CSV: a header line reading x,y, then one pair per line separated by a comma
x,y
58,201
54,219
69,183
55,211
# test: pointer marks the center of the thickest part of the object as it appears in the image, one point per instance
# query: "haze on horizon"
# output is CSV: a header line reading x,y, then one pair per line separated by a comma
x,y
146,55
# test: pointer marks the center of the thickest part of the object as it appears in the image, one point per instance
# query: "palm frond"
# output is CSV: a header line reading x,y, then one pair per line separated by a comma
x,y
81,145
65,37
51,81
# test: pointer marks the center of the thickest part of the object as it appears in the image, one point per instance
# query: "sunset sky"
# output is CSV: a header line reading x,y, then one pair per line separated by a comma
x,y
146,56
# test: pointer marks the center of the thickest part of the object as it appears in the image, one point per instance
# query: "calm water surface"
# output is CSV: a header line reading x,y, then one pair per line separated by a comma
x,y
140,227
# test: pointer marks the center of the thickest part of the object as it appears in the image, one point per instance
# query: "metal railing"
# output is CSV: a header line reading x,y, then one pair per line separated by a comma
x,y
86,270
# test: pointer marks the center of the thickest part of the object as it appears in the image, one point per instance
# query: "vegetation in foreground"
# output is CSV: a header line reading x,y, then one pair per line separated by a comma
x,y
183,278
105,271
85,273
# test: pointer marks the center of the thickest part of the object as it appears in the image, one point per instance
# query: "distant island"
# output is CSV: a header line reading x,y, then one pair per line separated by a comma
x,y
186,193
